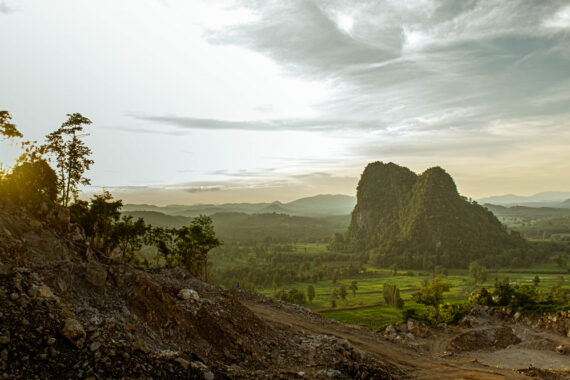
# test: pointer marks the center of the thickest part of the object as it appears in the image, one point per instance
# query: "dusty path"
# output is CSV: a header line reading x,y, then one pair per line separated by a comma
x,y
416,364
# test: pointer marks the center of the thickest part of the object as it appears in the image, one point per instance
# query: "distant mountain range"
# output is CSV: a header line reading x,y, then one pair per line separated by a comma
x,y
557,199
319,205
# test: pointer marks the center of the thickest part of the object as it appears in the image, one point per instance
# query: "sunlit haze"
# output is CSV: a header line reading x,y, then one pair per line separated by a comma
x,y
244,101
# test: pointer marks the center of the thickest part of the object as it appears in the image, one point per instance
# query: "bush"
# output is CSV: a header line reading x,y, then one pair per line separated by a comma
x,y
452,313
292,296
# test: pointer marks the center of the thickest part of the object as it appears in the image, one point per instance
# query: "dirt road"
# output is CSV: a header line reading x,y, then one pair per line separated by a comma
x,y
416,364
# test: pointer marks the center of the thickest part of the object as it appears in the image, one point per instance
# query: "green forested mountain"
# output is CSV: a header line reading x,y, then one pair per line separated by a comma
x,y
420,221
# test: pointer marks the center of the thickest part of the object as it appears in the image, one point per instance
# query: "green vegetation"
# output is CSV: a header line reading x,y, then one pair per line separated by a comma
x,y
392,296
32,183
419,221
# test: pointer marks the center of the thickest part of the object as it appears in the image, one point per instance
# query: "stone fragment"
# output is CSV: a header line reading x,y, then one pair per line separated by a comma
x,y
73,331
42,292
183,362
186,294
94,346
96,275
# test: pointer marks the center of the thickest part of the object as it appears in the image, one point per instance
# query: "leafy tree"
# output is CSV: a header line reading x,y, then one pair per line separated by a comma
x,y
354,287
478,272
394,268
164,240
560,261
432,295
503,292
71,155
439,269
558,281
334,297
194,242
128,236
97,217
536,280
32,183
392,297
342,292
310,293
8,130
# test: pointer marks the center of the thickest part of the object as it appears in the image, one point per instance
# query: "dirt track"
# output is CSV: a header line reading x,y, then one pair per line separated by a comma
x,y
415,364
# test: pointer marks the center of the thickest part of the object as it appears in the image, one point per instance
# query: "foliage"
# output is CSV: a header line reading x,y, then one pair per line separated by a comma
x,y
432,295
292,296
478,272
420,221
193,243
392,296
536,280
342,293
526,298
452,313
71,155
310,293
8,130
32,183
128,236
97,217
353,287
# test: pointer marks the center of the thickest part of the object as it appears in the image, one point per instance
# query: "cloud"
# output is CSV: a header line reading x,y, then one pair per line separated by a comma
x,y
5,9
559,20
200,189
315,125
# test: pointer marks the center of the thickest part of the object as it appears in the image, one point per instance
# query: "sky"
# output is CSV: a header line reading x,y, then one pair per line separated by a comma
x,y
249,101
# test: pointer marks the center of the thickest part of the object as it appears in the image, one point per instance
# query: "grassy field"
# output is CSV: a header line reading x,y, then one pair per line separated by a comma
x,y
367,307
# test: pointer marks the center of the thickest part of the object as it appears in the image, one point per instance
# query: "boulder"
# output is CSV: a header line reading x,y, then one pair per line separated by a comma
x,y
96,275
187,294
73,330
42,292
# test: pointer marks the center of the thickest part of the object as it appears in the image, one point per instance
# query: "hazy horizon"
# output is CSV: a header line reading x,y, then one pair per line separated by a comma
x,y
246,101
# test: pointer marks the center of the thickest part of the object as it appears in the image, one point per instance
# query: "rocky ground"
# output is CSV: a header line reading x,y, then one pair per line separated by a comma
x,y
67,311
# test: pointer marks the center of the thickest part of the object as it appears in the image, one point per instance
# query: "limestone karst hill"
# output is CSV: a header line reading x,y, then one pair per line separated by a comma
x,y
421,220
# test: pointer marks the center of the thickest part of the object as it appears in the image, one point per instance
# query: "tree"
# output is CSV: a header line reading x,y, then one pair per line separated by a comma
x,y
394,268
128,236
96,217
164,241
536,280
342,292
33,182
334,297
7,129
392,297
478,272
354,287
194,242
71,155
310,293
432,295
